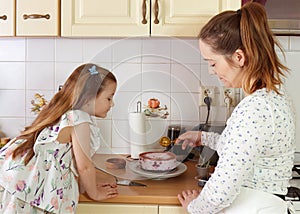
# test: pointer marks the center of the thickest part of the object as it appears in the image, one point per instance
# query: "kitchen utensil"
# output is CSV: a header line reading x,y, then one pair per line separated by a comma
x,y
165,141
201,181
129,183
123,182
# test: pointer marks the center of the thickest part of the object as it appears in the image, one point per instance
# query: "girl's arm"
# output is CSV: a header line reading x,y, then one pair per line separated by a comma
x,y
87,173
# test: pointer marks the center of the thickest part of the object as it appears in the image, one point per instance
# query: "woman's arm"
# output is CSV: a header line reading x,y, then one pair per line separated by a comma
x,y
87,173
198,138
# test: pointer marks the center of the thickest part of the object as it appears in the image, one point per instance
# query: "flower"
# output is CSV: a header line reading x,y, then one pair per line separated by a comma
x,y
21,185
54,203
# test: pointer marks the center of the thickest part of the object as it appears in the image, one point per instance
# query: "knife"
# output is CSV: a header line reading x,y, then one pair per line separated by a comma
x,y
123,182
129,183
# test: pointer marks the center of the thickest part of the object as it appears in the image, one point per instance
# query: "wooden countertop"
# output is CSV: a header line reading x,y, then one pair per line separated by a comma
x,y
162,192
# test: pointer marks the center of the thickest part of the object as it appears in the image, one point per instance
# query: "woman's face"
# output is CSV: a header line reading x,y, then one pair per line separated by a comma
x,y
229,75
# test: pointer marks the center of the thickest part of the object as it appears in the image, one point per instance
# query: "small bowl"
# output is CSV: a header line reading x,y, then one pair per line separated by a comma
x,y
201,181
115,163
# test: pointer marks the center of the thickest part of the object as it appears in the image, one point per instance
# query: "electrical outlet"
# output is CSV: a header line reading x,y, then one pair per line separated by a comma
x,y
207,91
228,95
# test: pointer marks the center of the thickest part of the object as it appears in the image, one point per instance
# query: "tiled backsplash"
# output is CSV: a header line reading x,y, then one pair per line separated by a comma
x,y
169,69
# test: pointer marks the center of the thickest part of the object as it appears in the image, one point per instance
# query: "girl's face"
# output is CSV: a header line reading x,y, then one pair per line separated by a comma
x,y
104,101
229,75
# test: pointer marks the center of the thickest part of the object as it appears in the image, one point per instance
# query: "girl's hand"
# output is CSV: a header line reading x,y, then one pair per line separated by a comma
x,y
187,196
107,190
190,138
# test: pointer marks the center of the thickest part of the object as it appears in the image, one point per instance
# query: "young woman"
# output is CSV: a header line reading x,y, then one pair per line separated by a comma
x,y
256,149
40,168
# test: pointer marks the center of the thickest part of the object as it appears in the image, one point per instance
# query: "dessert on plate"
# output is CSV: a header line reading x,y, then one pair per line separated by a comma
x,y
157,161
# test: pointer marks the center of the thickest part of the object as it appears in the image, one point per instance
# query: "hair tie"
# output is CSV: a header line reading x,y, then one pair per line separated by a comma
x,y
239,11
93,70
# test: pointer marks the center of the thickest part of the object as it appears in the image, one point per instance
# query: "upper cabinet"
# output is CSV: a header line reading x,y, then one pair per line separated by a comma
x,y
139,17
29,18
37,18
185,17
7,18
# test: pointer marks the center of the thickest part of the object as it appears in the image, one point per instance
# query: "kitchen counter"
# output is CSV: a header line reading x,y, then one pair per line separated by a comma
x,y
158,192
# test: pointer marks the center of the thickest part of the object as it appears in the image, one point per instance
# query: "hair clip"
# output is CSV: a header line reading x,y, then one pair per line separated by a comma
x,y
93,70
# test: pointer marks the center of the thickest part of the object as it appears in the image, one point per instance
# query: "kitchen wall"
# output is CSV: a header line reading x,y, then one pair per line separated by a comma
x,y
169,69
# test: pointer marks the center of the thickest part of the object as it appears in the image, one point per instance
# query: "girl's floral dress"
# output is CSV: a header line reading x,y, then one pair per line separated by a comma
x,y
48,183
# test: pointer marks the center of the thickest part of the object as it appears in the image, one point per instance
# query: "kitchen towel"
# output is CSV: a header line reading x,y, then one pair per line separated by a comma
x,y
137,133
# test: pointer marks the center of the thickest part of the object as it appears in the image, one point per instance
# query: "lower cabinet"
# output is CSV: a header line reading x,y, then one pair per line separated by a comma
x,y
165,209
93,208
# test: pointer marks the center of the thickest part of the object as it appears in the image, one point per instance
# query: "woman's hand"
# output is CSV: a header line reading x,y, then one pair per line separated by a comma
x,y
106,190
190,138
187,196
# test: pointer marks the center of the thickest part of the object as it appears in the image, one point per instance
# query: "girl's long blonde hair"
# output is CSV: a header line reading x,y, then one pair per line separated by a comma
x,y
247,29
79,88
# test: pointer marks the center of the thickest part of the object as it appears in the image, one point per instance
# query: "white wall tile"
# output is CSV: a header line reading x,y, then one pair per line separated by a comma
x,y
105,129
295,43
120,134
129,76
156,77
284,42
63,71
69,50
97,50
126,50
125,102
40,49
12,127
155,130
40,75
185,78
12,75
156,50
12,103
185,106
185,51
12,49
217,114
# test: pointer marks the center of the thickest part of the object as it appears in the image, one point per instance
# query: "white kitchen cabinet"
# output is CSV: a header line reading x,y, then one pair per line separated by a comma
x,y
96,18
167,209
37,18
91,208
29,18
7,18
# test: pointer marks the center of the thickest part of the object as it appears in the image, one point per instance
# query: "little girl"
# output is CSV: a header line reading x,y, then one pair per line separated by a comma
x,y
40,168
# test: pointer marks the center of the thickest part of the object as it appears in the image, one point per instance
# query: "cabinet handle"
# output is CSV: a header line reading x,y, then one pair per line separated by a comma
x,y
156,11
36,16
144,9
4,17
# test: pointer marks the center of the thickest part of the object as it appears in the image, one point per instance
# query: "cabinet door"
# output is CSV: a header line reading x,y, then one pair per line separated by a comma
x,y
105,18
91,208
164,209
37,18
7,18
185,18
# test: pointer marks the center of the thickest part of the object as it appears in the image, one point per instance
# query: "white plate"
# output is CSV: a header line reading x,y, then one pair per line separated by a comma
x,y
134,166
